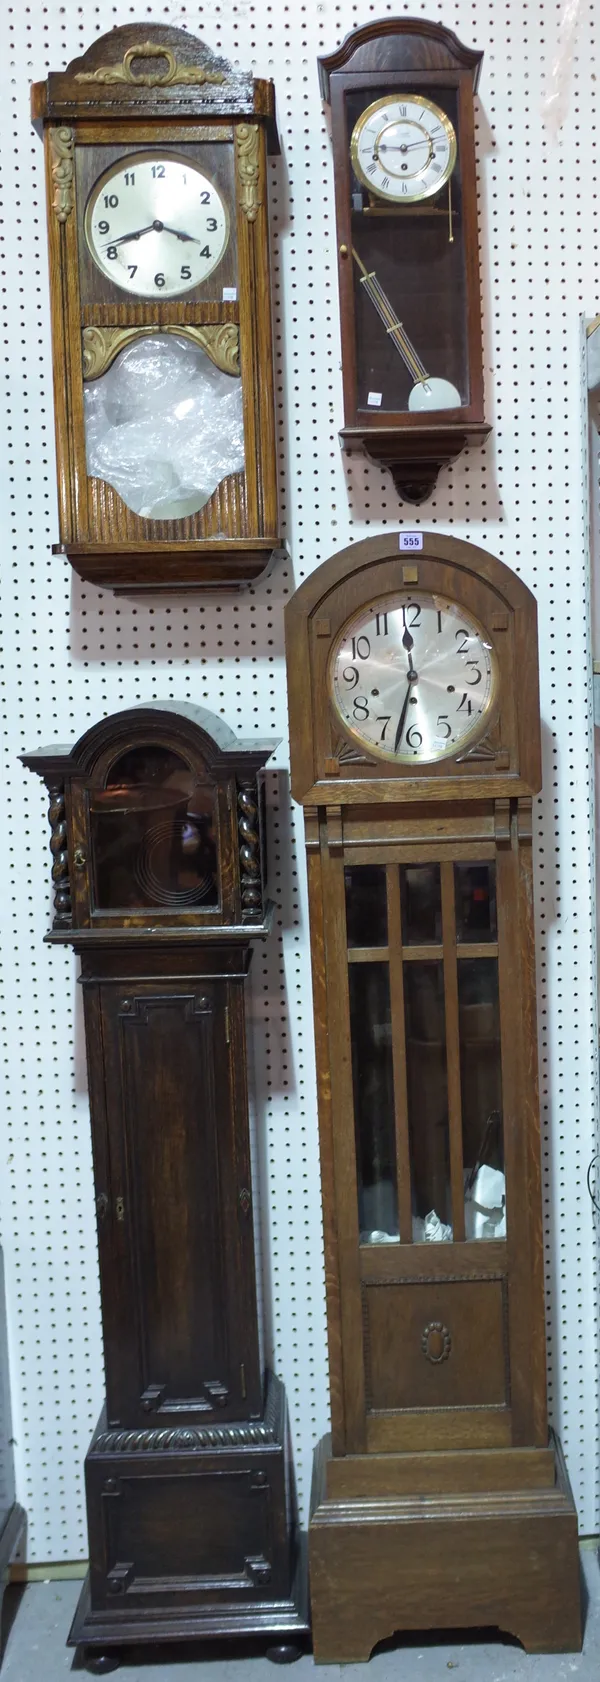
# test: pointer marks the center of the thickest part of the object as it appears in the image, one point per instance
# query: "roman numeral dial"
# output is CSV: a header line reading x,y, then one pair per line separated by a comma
x,y
404,149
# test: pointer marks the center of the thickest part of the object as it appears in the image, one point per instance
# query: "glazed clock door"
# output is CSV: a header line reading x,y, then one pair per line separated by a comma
x,y
427,1145
172,1176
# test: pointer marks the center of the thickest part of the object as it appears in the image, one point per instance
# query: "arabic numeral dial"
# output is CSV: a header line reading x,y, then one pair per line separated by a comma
x,y
156,227
413,678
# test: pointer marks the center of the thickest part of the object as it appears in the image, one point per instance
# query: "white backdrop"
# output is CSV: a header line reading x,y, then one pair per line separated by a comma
x,y
70,654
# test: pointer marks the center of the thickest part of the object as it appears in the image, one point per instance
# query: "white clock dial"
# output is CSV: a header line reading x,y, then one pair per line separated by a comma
x,y
413,678
156,225
403,149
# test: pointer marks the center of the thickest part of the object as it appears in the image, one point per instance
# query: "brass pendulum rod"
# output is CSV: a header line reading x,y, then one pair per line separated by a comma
x,y
392,325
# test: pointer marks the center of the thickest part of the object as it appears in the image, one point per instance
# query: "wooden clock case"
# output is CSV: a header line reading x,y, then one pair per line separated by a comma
x,y
189,1480
440,1493
386,56
141,86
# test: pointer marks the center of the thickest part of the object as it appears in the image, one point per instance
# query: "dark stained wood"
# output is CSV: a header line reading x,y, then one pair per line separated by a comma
x,y
82,90
438,1349
189,1482
417,45
113,101
12,1517
384,56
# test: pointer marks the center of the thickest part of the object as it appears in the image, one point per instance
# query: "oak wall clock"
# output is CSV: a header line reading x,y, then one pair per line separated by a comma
x,y
161,317
441,1498
401,95
157,841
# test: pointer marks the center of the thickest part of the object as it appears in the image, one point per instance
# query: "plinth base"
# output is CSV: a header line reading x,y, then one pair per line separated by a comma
x,y
192,1534
506,1557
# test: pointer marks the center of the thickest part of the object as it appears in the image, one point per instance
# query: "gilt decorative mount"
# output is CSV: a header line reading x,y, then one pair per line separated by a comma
x,y
175,71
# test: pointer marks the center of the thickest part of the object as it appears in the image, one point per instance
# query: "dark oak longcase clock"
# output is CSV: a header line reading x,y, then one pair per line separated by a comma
x,y
156,176
157,838
401,94
440,1499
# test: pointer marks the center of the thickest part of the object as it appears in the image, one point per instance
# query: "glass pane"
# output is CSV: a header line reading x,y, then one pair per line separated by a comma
x,y
427,1100
153,834
481,1094
421,895
409,276
366,905
475,890
164,426
373,1086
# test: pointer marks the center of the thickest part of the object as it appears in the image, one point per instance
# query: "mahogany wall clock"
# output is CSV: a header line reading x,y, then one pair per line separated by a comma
x,y
159,277
401,95
158,869
441,1498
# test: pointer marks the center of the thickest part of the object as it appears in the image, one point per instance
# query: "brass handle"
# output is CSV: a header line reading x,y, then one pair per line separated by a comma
x,y
79,858
343,251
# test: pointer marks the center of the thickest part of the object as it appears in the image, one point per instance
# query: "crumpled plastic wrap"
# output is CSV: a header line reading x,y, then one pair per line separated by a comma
x,y
163,426
556,100
485,1205
431,1230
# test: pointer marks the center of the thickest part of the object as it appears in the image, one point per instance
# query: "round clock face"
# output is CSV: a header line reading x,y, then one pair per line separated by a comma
x,y
155,225
403,149
413,678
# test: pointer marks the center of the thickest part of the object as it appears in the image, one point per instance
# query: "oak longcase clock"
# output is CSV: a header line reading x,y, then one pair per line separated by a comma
x,y
156,156
441,1499
401,94
157,842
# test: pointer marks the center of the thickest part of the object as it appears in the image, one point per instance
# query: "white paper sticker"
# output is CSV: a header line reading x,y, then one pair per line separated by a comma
x,y
410,540
230,294
374,399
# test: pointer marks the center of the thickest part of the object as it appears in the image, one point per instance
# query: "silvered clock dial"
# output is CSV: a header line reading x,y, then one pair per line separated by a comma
x,y
156,225
413,678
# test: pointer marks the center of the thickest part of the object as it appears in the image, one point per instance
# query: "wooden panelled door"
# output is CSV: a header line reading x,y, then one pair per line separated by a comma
x,y
175,1233
423,989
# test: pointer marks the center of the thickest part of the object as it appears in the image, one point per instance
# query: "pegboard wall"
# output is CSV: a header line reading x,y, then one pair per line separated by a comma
x,y
70,654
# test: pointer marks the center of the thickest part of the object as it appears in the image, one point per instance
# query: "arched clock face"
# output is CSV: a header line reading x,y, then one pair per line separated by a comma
x,y
155,225
413,678
403,149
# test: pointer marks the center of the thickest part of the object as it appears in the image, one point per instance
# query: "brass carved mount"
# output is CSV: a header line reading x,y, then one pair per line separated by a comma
x,y
174,73
102,344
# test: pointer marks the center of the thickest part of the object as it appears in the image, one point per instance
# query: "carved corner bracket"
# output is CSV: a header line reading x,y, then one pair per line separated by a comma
x,y
414,456
61,164
101,345
246,140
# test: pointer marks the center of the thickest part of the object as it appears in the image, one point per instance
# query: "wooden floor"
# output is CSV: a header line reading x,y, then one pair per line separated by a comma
x,y
36,1622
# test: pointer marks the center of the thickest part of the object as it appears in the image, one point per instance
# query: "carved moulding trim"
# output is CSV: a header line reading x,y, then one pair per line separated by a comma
x,y
175,72
60,856
186,1439
250,871
102,344
246,139
190,1439
61,155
